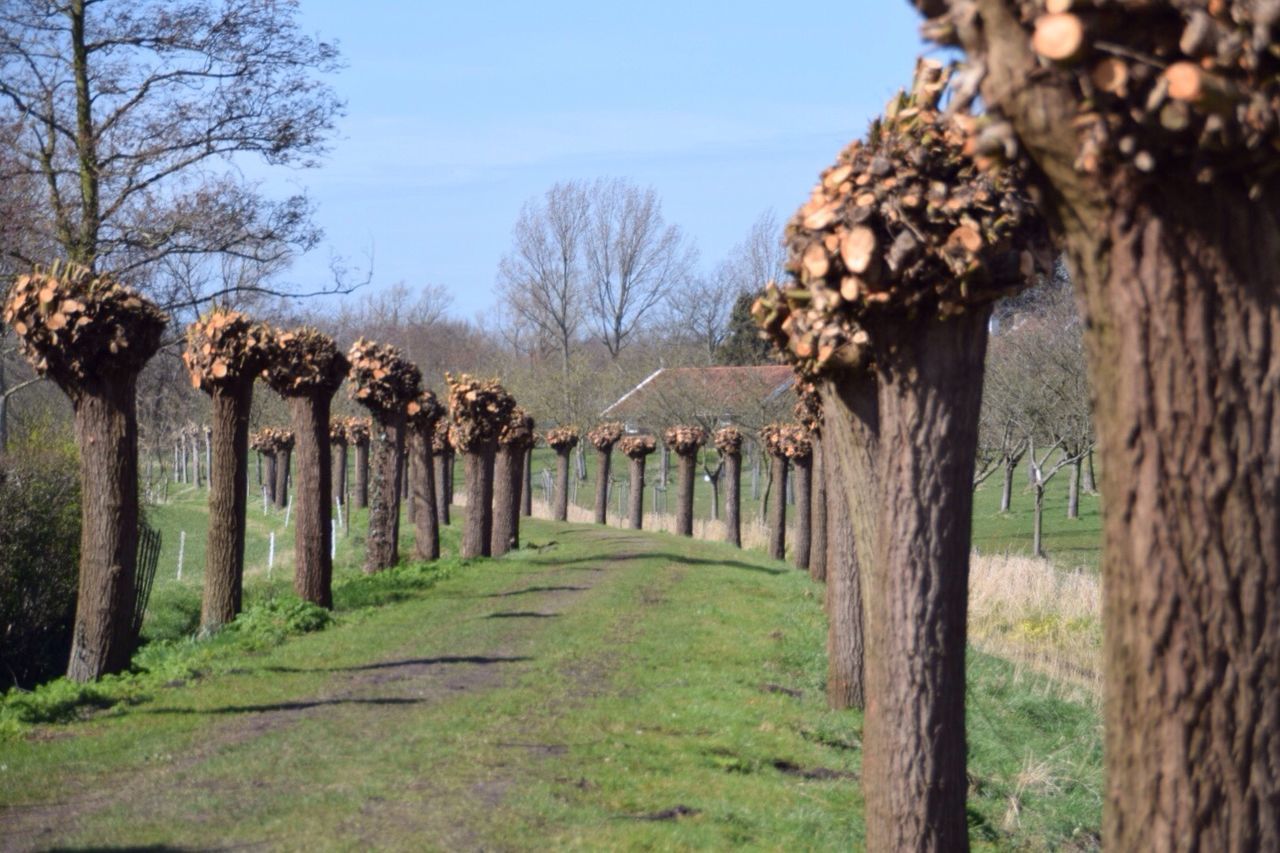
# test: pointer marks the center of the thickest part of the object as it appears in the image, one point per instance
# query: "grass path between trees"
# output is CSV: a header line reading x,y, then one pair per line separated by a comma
x,y
603,689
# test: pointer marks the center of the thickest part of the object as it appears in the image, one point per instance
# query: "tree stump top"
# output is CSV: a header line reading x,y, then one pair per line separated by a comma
x,y
382,379
425,414
225,348
789,441
477,410
562,438
518,430
305,362
606,435
272,440
728,440
684,440
808,408
637,446
76,325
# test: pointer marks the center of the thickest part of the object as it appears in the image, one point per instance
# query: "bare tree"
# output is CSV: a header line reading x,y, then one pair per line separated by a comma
x,y
634,260
133,116
698,312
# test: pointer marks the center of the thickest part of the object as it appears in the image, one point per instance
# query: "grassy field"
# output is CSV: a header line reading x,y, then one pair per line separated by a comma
x,y
598,689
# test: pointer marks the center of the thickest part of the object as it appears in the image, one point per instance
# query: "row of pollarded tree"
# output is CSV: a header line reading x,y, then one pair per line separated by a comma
x,y
92,335
894,264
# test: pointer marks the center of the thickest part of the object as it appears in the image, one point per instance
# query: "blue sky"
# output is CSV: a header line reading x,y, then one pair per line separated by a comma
x,y
457,113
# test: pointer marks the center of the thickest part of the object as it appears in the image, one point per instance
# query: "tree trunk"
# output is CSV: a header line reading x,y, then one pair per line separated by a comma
x,y
271,478
195,462
526,493
561,512
449,458
664,470
441,466
382,543
851,428
339,475
106,426
1090,482
818,510
508,472
686,466
1037,536
1006,491
228,504
713,480
477,533
312,512
733,499
362,475
930,385
778,509
283,464
604,461
802,486
1073,489
182,460
636,507
426,518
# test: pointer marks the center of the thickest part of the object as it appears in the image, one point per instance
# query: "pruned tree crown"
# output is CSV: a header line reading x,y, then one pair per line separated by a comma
x,y
1184,84
728,440
225,348
272,440
904,223
75,324
606,435
684,440
562,438
338,430
637,446
809,405
359,431
517,431
790,441
477,410
425,413
382,379
305,361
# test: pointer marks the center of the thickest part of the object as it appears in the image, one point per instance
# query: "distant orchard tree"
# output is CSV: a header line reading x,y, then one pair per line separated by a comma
x,y
743,344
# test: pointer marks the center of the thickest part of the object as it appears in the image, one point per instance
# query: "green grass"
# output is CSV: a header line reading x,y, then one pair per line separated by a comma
x,y
673,674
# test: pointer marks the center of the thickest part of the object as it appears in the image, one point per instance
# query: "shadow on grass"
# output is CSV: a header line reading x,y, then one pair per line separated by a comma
x,y
660,555
532,589
480,660
521,614
285,706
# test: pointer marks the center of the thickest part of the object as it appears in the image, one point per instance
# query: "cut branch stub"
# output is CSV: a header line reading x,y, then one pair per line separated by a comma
x,y
904,223
477,411
790,441
684,440
225,348
637,446
562,438
382,379
75,324
728,440
440,442
1180,86
517,431
338,430
272,440
606,435
808,408
425,414
305,362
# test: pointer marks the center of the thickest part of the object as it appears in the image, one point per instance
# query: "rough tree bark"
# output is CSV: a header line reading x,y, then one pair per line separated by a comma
x,y
228,504
526,493
477,533
426,517
917,591
778,509
561,509
803,488
686,468
271,478
818,510
382,546
440,465
339,475
635,504
604,462
284,461
312,511
361,497
106,425
508,474
733,499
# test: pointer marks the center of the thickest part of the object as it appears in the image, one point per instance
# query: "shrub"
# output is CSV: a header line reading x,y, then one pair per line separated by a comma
x,y
39,559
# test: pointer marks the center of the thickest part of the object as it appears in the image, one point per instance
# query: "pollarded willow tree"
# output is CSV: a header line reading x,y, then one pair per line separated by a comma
x,y
685,442
263,441
1151,132
477,411
284,440
777,442
423,425
809,415
224,353
562,440
338,452
387,384
92,335
306,368
441,452
514,440
728,441
359,433
902,248
637,448
603,438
